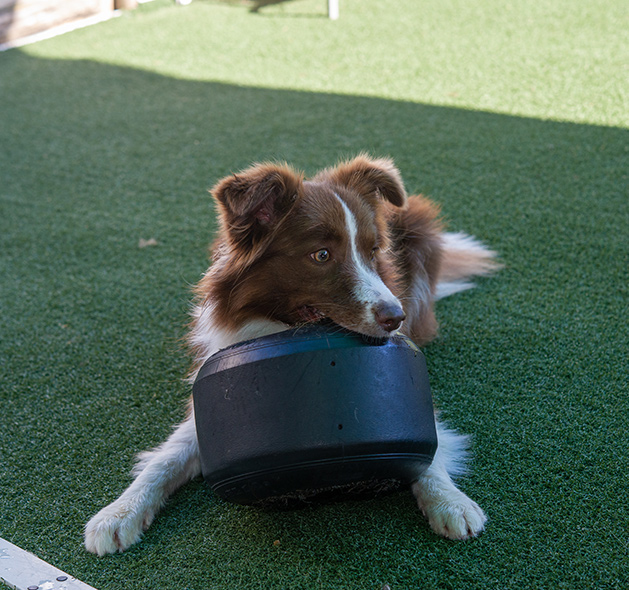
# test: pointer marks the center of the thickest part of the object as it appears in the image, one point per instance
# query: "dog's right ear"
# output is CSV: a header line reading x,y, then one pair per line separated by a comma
x,y
375,179
254,201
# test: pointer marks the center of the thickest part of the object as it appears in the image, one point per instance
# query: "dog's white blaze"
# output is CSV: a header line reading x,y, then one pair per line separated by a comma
x,y
370,288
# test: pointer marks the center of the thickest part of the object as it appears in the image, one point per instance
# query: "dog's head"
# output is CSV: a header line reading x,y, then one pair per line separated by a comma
x,y
297,250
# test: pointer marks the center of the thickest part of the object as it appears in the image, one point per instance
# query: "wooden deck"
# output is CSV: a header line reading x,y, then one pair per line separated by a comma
x,y
21,18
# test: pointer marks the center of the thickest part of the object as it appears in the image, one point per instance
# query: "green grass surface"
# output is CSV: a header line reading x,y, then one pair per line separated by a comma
x,y
513,116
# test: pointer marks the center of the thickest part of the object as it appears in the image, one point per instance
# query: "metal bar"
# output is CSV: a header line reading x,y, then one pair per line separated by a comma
x,y
333,9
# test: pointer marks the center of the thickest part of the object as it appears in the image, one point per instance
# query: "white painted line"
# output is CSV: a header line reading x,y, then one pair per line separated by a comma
x,y
60,30
21,570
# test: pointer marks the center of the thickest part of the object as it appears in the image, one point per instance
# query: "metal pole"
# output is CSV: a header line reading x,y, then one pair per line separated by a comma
x,y
333,9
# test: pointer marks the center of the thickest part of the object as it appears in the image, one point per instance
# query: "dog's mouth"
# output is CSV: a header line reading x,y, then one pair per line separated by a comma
x,y
309,314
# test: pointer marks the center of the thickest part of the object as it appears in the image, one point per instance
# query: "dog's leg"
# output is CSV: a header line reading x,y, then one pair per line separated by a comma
x,y
449,511
158,474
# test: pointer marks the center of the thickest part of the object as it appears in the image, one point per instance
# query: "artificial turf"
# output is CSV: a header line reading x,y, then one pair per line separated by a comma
x,y
513,116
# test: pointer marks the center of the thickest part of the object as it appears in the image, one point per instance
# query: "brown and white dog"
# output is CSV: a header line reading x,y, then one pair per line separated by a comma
x,y
347,245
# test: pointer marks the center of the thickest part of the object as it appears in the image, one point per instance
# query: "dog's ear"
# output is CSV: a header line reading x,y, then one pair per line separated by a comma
x,y
372,178
253,201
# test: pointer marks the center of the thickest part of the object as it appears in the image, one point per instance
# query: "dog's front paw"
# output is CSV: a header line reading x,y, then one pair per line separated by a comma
x,y
116,527
453,515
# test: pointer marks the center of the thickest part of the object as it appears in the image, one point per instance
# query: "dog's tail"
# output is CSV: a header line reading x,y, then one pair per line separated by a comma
x,y
462,257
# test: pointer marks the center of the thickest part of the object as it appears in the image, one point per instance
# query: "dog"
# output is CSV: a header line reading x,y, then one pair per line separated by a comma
x,y
348,245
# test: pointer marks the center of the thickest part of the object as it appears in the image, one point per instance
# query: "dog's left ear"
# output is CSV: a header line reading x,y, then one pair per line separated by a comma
x,y
370,177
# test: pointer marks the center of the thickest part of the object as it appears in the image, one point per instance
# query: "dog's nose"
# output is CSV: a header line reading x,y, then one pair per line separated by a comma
x,y
389,316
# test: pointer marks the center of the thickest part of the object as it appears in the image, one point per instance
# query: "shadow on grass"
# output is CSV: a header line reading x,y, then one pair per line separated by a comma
x,y
94,157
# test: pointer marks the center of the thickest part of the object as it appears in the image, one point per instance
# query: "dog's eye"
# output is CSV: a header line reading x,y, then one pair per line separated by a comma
x,y
321,256
374,251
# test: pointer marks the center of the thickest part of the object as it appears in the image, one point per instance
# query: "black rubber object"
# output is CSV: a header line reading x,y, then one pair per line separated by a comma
x,y
311,411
